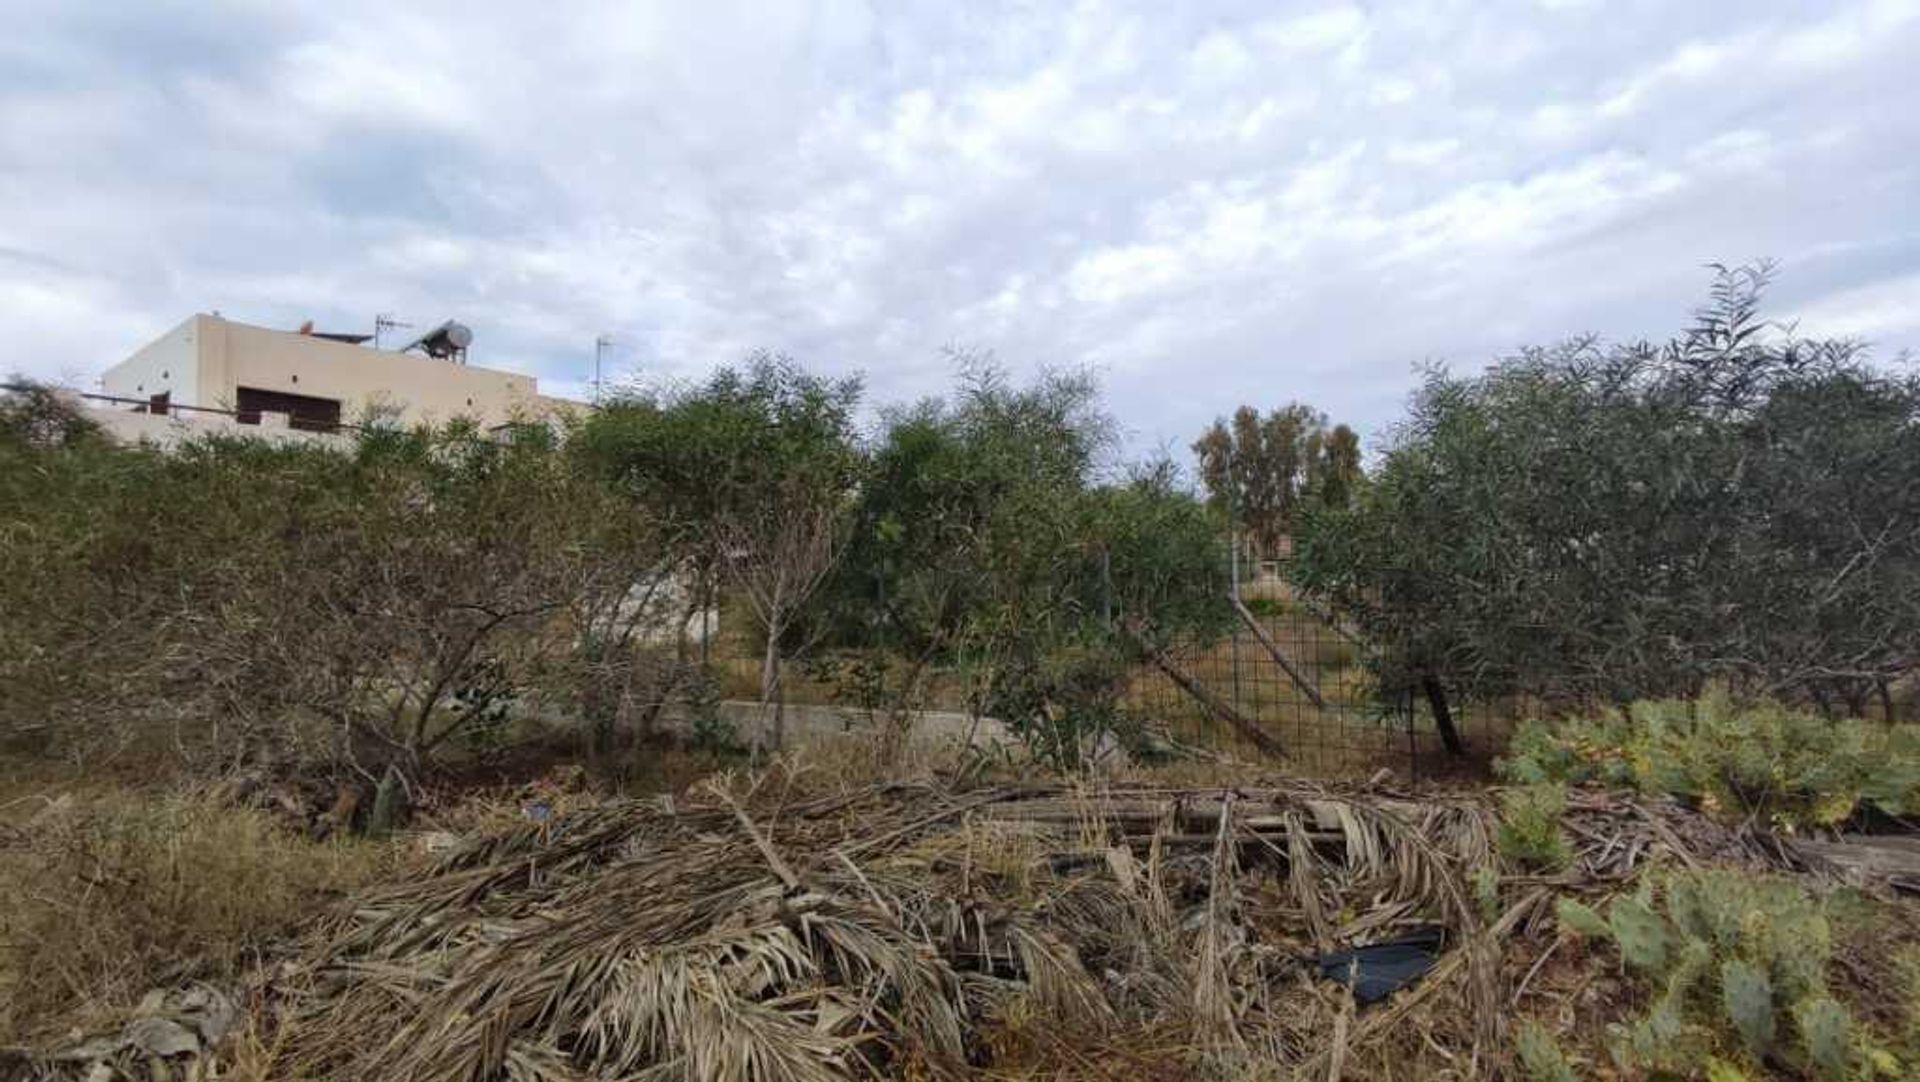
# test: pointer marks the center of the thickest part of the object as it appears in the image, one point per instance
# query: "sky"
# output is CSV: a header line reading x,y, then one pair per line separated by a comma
x,y
1205,203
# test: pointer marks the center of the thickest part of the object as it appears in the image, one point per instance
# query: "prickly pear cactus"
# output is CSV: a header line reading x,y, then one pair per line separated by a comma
x,y
1661,1041
1692,962
1540,1055
1641,933
1719,1070
1826,1031
1748,997
1581,920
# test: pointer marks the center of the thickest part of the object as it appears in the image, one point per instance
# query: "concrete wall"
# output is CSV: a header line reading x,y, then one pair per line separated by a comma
x,y
169,364
230,355
426,389
167,431
752,724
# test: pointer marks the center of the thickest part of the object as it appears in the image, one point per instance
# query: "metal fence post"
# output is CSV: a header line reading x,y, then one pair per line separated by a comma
x,y
1233,548
1106,587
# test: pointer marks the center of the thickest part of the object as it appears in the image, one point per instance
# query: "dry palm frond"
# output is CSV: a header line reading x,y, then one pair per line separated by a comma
x,y
871,934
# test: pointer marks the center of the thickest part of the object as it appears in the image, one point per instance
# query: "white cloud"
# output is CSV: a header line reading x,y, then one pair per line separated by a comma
x,y
1851,33
1319,31
1423,152
1220,57
1215,204
1887,312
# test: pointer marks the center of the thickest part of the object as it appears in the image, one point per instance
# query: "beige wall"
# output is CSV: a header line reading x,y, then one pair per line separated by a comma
x,y
231,355
169,364
172,430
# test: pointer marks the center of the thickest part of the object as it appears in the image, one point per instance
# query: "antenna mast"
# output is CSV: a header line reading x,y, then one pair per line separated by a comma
x,y
600,347
385,322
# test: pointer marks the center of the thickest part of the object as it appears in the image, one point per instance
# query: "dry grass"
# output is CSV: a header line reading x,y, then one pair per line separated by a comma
x,y
106,894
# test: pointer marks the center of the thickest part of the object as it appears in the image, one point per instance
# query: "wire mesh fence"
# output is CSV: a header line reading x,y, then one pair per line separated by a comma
x,y
1288,671
1274,672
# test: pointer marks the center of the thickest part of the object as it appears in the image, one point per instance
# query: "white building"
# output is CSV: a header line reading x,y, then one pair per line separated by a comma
x,y
213,371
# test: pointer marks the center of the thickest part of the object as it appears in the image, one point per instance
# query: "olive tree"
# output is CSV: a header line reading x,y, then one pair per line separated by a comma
x,y
753,472
1593,521
986,544
356,605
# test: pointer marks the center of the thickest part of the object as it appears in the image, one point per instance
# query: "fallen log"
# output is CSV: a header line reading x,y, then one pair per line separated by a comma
x,y
1214,704
1867,857
1279,658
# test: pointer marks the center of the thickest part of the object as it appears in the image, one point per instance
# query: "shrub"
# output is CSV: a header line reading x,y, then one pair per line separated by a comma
x,y
1739,964
1530,825
34,415
1754,759
1630,520
342,610
1540,1056
104,897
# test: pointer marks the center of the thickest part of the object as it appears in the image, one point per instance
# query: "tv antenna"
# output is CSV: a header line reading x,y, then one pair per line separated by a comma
x,y
601,346
385,322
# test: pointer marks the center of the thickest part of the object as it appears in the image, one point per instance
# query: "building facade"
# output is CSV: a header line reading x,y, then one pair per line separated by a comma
x,y
251,375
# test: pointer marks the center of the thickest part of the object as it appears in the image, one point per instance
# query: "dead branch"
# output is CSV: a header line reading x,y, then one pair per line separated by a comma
x,y
1279,658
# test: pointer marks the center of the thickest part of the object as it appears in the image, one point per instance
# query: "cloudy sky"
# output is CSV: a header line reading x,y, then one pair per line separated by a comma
x,y
1209,203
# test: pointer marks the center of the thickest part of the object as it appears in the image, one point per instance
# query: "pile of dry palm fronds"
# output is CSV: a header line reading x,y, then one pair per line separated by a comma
x,y
916,931
906,931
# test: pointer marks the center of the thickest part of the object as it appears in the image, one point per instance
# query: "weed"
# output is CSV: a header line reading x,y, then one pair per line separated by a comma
x,y
1530,825
105,896
1540,1055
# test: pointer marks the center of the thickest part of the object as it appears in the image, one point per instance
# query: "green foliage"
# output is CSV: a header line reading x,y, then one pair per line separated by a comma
x,y
1540,1055
1731,953
377,602
1664,1040
1826,1031
1640,932
1907,964
1581,919
1485,882
37,417
712,731
1593,522
1719,1070
1748,996
984,543
1770,921
1744,760
294,599
751,473
1530,825
701,454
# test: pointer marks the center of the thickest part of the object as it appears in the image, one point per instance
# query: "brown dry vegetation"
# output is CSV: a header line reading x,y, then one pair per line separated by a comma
x,y
107,893
818,921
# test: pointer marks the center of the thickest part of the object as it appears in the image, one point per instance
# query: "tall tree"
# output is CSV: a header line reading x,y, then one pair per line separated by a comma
x,y
1261,471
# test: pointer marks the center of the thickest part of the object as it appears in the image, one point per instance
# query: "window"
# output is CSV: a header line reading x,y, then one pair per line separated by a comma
x,y
303,411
